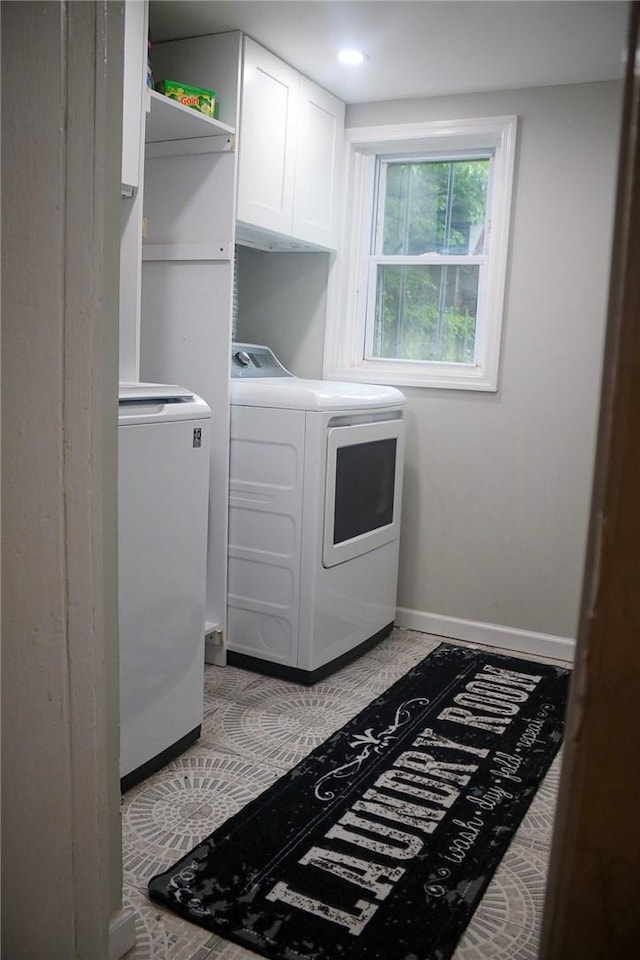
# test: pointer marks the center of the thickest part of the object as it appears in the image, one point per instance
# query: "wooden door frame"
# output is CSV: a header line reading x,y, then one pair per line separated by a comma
x,y
594,875
61,156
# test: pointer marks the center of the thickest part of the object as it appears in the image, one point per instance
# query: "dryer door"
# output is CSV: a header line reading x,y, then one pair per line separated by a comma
x,y
363,488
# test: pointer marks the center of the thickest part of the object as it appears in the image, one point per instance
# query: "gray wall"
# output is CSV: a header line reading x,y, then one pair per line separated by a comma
x,y
282,301
497,486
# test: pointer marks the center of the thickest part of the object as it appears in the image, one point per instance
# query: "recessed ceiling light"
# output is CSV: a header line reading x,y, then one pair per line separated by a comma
x,y
351,57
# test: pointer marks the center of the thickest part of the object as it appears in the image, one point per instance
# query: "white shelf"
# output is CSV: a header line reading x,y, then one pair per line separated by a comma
x,y
169,120
198,250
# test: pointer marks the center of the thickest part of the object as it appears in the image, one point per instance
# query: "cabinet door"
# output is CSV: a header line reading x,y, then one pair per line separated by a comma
x,y
267,141
320,131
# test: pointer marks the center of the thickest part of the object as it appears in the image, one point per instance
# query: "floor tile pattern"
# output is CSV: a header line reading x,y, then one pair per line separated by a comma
x,y
254,729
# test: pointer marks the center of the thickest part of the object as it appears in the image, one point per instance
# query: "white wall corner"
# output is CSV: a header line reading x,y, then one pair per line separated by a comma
x,y
488,634
122,934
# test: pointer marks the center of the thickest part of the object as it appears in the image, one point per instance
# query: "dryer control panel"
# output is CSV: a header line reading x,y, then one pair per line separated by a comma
x,y
255,360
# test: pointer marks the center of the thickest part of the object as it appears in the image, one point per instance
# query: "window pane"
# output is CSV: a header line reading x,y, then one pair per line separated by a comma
x,y
426,313
435,207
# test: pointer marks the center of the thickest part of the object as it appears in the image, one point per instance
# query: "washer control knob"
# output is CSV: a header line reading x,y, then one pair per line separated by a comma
x,y
243,358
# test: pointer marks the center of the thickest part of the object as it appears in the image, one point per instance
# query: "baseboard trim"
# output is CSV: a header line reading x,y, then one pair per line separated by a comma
x,y
487,634
122,934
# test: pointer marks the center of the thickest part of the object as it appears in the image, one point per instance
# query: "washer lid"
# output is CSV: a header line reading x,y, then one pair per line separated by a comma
x,y
157,403
141,392
294,393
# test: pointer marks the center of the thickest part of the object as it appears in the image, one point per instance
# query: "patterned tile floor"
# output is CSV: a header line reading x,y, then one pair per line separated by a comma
x,y
255,728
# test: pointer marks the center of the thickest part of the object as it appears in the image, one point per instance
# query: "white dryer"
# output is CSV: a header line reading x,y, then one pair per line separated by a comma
x,y
314,516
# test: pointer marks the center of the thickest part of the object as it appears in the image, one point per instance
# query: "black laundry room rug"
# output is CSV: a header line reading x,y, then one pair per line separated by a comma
x,y
380,844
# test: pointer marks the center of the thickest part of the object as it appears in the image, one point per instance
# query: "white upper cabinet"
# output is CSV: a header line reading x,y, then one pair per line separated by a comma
x,y
267,140
320,131
290,134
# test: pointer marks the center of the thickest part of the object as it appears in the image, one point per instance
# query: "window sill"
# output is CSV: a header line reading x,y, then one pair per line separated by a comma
x,y
400,373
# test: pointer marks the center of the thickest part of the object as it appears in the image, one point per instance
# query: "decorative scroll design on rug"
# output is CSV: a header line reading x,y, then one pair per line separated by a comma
x,y
370,743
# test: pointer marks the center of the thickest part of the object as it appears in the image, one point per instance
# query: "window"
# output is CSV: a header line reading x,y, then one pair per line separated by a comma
x,y
418,285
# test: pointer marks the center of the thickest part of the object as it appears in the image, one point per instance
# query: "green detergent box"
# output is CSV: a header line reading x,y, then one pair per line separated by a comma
x,y
195,97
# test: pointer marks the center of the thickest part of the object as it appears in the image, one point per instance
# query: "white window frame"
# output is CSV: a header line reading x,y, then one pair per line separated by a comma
x,y
346,331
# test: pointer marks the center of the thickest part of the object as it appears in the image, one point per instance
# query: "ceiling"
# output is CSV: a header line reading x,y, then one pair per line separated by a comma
x,y
421,47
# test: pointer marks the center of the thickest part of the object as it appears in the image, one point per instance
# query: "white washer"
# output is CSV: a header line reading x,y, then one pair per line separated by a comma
x,y
314,517
163,491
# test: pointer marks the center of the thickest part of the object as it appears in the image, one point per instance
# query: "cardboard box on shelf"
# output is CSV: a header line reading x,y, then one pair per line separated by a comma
x,y
195,97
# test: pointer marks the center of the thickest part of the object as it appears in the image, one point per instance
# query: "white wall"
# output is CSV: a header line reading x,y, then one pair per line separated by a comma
x,y
282,301
497,486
